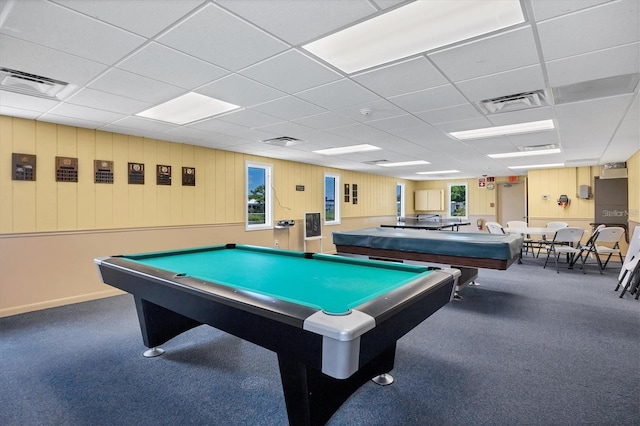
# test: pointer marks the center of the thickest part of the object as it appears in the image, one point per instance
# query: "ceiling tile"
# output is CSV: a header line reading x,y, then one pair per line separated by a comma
x,y
82,112
291,72
139,123
503,84
170,66
220,38
594,65
53,26
491,55
240,91
131,85
249,118
395,123
608,25
327,120
444,115
404,77
338,94
424,100
300,21
20,101
108,101
157,14
289,108
371,111
33,58
217,126
548,9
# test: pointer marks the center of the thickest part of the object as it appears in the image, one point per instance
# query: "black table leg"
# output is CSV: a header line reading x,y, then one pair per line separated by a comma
x,y
313,397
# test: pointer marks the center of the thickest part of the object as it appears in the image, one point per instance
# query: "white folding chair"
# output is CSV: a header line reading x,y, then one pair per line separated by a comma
x,y
543,242
528,242
494,228
566,241
629,276
605,241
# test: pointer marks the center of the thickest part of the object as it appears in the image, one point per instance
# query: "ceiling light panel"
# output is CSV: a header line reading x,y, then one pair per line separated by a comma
x,y
525,153
538,166
439,172
403,31
187,109
347,149
404,163
511,129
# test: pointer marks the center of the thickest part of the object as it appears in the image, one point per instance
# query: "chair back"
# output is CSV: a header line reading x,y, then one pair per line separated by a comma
x,y
571,235
557,225
516,224
609,234
494,228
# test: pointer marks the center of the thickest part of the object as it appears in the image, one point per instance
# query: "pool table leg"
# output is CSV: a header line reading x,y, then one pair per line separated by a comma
x,y
313,397
159,324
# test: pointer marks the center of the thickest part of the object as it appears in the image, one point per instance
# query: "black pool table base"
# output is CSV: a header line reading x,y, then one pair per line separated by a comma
x,y
312,397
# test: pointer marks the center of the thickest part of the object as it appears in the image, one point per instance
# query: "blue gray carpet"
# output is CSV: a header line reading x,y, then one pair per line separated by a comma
x,y
526,347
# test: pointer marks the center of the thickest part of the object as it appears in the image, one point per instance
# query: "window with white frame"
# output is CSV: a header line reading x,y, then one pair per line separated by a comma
x,y
258,197
331,199
400,212
457,200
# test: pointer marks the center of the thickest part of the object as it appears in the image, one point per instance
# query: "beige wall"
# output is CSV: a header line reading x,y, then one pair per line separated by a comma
x,y
50,231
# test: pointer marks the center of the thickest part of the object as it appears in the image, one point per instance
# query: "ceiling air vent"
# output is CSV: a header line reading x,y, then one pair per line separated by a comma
x,y
514,102
31,84
282,141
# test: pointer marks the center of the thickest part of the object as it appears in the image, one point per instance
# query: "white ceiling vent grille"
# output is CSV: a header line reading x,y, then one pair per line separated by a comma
x,y
32,85
282,141
516,102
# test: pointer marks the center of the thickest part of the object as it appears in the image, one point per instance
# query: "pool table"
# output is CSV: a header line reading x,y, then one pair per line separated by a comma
x,y
333,321
466,251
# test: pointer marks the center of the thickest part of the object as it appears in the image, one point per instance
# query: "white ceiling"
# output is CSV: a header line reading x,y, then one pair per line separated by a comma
x,y
126,56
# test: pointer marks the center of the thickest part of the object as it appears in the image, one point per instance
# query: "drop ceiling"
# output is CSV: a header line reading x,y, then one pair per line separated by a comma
x,y
120,58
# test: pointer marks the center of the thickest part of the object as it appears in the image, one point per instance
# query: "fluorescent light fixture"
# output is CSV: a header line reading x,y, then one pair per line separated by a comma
x,y
538,166
347,149
511,129
404,163
415,28
187,108
438,172
525,153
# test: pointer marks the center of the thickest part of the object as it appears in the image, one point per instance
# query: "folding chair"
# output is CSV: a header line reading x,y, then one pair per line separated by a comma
x,y
630,277
596,245
494,228
543,242
528,242
565,241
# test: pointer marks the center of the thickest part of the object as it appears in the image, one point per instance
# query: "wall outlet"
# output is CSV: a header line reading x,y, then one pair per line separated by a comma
x,y
277,243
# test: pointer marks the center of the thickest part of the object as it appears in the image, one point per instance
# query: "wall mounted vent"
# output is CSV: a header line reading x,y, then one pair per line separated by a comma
x,y
515,102
32,85
282,141
614,171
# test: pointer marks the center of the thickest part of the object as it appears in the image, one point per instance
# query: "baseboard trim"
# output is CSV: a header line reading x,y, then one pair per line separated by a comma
x,y
16,310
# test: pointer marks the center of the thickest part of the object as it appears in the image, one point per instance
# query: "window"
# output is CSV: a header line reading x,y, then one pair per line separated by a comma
x,y
457,200
259,206
331,203
400,200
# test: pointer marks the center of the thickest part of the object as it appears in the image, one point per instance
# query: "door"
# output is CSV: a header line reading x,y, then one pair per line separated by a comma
x,y
512,202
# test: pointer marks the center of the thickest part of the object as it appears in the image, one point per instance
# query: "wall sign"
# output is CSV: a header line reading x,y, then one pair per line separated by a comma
x,y
136,174
23,166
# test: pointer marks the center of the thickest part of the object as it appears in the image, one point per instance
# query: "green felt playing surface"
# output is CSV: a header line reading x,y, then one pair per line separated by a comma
x,y
330,283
